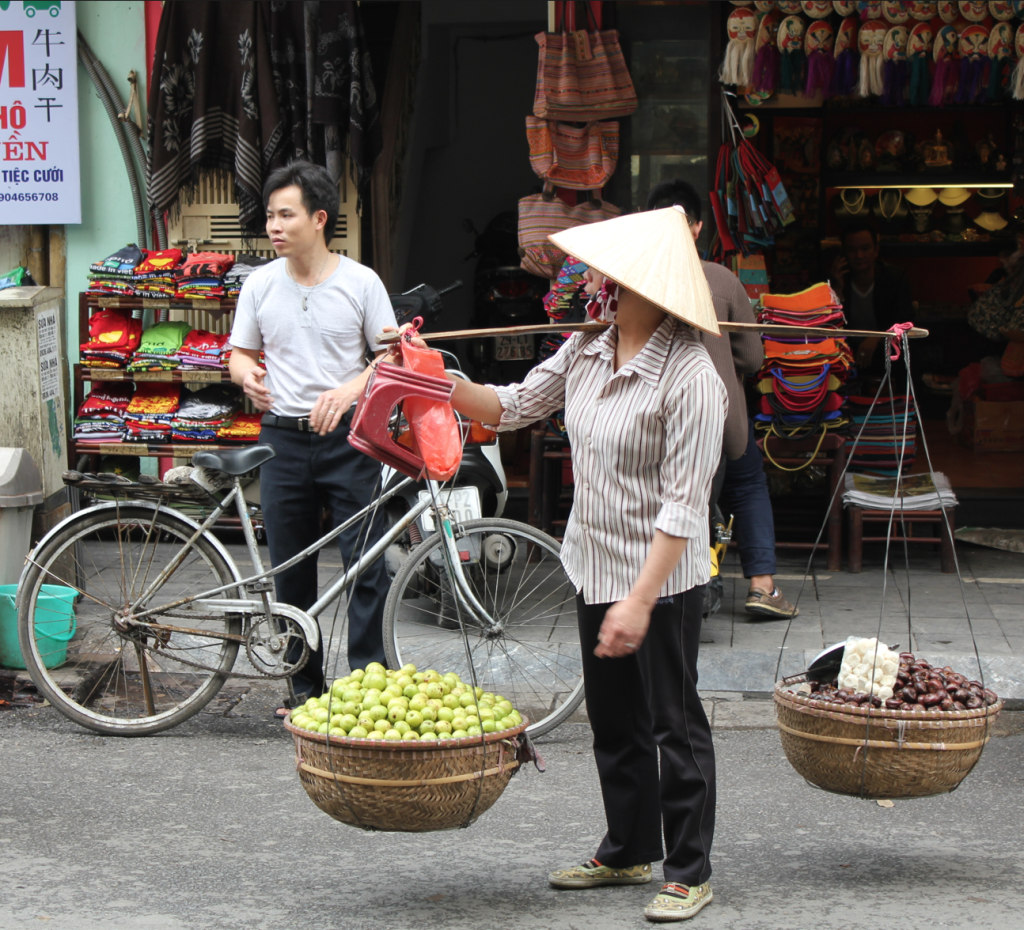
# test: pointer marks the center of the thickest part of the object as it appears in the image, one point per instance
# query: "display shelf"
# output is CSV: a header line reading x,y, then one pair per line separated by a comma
x,y
153,303
162,449
832,109
176,375
876,179
962,249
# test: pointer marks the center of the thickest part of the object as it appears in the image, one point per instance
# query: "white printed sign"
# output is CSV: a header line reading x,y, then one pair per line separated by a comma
x,y
49,354
39,172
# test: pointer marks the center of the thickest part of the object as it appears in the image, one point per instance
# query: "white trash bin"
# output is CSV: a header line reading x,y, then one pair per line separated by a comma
x,y
21,489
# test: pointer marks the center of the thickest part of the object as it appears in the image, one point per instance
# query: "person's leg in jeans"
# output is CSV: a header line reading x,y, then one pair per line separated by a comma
x,y
745,496
347,480
291,514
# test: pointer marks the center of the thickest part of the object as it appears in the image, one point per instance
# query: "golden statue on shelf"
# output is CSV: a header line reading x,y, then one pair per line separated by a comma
x,y
936,153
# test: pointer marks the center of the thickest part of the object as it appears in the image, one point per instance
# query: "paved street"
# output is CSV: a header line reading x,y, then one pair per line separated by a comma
x,y
208,827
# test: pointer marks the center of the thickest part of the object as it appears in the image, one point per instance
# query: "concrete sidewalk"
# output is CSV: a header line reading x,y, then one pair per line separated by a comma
x,y
740,652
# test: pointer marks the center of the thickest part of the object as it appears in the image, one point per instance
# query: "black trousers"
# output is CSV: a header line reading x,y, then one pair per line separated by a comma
x,y
642,705
309,472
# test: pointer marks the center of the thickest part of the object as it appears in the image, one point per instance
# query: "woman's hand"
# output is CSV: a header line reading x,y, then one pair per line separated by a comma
x,y
624,628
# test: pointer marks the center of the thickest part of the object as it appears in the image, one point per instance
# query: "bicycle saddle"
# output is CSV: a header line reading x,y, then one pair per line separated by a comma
x,y
235,461
370,433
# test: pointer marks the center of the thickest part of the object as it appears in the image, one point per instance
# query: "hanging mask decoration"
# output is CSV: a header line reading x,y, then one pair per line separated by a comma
x,y
845,7
919,56
789,7
738,64
974,63
844,80
817,9
974,10
1001,10
894,52
603,307
1017,78
794,63
764,6
767,58
945,51
1000,53
895,13
949,11
870,9
923,12
821,63
871,41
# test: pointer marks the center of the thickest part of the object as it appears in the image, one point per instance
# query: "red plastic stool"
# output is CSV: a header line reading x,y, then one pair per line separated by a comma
x,y
388,386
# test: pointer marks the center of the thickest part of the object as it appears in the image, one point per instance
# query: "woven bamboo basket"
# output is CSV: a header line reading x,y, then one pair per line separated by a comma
x,y
410,788
880,753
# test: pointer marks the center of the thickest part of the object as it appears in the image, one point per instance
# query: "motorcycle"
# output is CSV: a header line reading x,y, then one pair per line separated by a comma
x,y
503,295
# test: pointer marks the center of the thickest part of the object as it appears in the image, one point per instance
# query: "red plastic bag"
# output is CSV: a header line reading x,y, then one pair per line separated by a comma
x,y
435,431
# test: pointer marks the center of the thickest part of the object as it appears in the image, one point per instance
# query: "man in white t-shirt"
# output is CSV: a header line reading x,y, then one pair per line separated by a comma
x,y
314,315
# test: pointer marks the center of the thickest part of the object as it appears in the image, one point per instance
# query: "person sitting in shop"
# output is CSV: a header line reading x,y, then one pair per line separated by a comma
x,y
875,295
740,482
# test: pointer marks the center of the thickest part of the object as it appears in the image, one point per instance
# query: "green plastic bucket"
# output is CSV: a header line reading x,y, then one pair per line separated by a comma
x,y
55,625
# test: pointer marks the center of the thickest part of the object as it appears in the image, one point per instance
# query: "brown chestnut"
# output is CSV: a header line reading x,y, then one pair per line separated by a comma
x,y
907,706
947,703
893,703
929,700
935,686
909,694
957,705
990,697
974,702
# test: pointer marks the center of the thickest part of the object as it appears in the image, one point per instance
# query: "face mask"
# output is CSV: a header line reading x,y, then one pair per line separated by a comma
x,y
603,307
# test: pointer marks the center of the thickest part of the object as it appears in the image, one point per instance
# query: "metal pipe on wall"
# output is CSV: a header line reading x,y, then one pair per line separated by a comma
x,y
88,62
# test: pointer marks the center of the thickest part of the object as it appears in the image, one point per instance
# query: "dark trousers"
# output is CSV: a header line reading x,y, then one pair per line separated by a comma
x,y
641,705
745,495
308,473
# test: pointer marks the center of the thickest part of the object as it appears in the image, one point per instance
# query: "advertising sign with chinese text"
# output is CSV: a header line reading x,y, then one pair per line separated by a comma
x,y
39,174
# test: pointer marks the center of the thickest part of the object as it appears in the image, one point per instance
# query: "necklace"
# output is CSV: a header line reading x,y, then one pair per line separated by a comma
x,y
305,297
858,201
895,209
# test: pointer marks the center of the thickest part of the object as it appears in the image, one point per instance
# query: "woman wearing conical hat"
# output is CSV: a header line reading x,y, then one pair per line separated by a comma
x,y
644,411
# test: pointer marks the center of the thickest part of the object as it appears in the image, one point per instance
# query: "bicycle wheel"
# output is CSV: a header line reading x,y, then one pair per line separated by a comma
x,y
117,679
533,658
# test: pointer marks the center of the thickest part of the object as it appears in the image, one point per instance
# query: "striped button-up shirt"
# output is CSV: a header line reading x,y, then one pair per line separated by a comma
x,y
646,441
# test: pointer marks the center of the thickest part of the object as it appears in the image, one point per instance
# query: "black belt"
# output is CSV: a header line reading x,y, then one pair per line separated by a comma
x,y
299,423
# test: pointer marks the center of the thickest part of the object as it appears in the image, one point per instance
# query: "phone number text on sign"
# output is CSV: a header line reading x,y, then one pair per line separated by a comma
x,y
39,155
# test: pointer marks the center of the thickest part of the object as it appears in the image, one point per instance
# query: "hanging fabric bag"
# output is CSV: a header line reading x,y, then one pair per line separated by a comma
x,y
577,158
543,214
581,75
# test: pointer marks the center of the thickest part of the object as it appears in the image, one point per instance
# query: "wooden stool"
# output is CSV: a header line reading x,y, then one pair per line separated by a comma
x,y
831,454
910,518
547,453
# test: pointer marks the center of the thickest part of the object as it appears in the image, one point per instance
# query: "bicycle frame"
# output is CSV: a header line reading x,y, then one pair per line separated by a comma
x,y
257,583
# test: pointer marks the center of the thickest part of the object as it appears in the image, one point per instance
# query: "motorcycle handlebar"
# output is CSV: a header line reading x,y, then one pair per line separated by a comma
x,y
454,286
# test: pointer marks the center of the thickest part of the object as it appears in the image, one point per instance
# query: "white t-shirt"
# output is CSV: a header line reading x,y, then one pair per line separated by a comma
x,y
312,351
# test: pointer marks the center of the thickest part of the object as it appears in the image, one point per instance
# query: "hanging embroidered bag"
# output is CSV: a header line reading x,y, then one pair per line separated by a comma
x,y
543,214
578,158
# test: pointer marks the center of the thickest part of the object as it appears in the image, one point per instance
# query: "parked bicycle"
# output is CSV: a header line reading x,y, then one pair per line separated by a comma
x,y
162,610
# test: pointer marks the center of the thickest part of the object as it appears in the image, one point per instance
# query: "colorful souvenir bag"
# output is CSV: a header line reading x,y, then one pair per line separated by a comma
x,y
543,214
579,158
581,74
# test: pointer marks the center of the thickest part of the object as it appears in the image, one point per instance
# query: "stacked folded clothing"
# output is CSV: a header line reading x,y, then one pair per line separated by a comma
x,y
202,276
244,266
815,306
113,275
802,375
243,427
151,411
881,434
202,349
101,416
155,276
158,350
202,413
113,337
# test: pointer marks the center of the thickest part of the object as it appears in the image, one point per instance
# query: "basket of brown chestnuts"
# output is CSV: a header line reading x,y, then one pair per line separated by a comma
x,y
887,725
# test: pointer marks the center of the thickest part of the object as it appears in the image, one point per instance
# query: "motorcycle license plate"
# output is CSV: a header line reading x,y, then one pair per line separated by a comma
x,y
513,348
462,503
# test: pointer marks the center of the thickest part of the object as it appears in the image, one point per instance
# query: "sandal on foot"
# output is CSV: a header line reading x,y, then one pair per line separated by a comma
x,y
592,874
678,902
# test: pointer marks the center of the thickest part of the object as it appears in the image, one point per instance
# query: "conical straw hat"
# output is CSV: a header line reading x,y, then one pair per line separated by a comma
x,y
652,254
